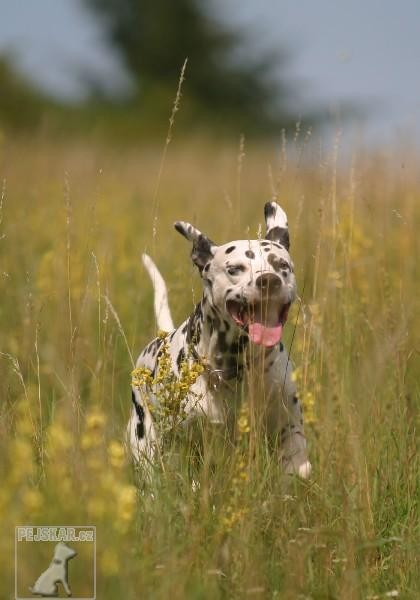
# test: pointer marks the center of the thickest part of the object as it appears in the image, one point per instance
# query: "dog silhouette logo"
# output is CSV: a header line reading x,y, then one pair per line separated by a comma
x,y
47,583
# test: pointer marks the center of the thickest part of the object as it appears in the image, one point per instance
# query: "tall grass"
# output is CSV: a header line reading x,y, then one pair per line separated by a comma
x,y
76,306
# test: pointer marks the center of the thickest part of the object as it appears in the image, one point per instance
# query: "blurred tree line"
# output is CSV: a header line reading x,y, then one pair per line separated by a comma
x,y
152,38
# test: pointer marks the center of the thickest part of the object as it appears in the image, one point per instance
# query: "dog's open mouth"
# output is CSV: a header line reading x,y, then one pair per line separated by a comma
x,y
263,320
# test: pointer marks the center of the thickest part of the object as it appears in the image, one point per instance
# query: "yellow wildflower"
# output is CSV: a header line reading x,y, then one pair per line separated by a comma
x,y
96,507
126,502
116,453
309,406
59,437
95,420
32,500
296,374
109,563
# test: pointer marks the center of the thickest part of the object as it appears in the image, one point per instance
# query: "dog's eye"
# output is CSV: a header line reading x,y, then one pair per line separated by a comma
x,y
235,270
283,264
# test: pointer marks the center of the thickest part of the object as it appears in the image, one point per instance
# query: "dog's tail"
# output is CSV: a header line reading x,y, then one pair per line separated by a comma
x,y
162,312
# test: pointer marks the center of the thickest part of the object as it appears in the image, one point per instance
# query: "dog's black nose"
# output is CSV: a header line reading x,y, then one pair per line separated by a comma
x,y
268,282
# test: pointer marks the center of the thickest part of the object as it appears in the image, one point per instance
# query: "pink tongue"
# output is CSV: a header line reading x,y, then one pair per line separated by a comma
x,y
266,336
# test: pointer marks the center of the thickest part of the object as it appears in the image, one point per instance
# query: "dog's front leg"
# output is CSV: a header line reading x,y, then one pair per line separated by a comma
x,y
285,417
205,402
66,586
295,459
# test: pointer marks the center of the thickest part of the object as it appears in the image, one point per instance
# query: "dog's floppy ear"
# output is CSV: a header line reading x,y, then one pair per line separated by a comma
x,y
276,223
203,248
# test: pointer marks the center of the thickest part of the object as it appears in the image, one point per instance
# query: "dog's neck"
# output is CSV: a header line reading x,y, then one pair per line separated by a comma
x,y
217,341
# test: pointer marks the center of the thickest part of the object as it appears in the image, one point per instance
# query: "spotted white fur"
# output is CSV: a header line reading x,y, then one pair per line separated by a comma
x,y
235,277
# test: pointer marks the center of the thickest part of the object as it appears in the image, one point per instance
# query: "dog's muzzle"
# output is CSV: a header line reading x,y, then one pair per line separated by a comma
x,y
268,283
264,315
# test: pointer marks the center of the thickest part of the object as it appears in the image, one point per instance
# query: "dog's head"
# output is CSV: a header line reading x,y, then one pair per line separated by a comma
x,y
62,552
250,281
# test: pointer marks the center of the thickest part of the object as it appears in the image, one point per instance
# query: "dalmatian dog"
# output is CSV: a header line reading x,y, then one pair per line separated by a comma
x,y
57,572
249,286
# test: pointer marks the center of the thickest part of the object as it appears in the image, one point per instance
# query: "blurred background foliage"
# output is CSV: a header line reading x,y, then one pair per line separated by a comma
x,y
21,105
223,93
76,307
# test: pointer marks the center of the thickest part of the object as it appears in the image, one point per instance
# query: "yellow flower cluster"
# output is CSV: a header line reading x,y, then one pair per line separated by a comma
x,y
308,401
94,431
307,396
24,462
171,392
232,516
141,377
108,494
243,423
116,454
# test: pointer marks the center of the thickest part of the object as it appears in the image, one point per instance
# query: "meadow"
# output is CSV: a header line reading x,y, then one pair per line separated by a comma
x,y
76,308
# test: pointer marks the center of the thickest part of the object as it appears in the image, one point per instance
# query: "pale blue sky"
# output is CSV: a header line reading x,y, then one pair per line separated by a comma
x,y
362,50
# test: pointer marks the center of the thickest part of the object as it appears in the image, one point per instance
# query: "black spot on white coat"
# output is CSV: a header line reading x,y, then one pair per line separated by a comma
x,y
140,416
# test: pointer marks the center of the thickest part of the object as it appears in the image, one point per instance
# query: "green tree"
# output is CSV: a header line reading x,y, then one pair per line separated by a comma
x,y
153,38
21,105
